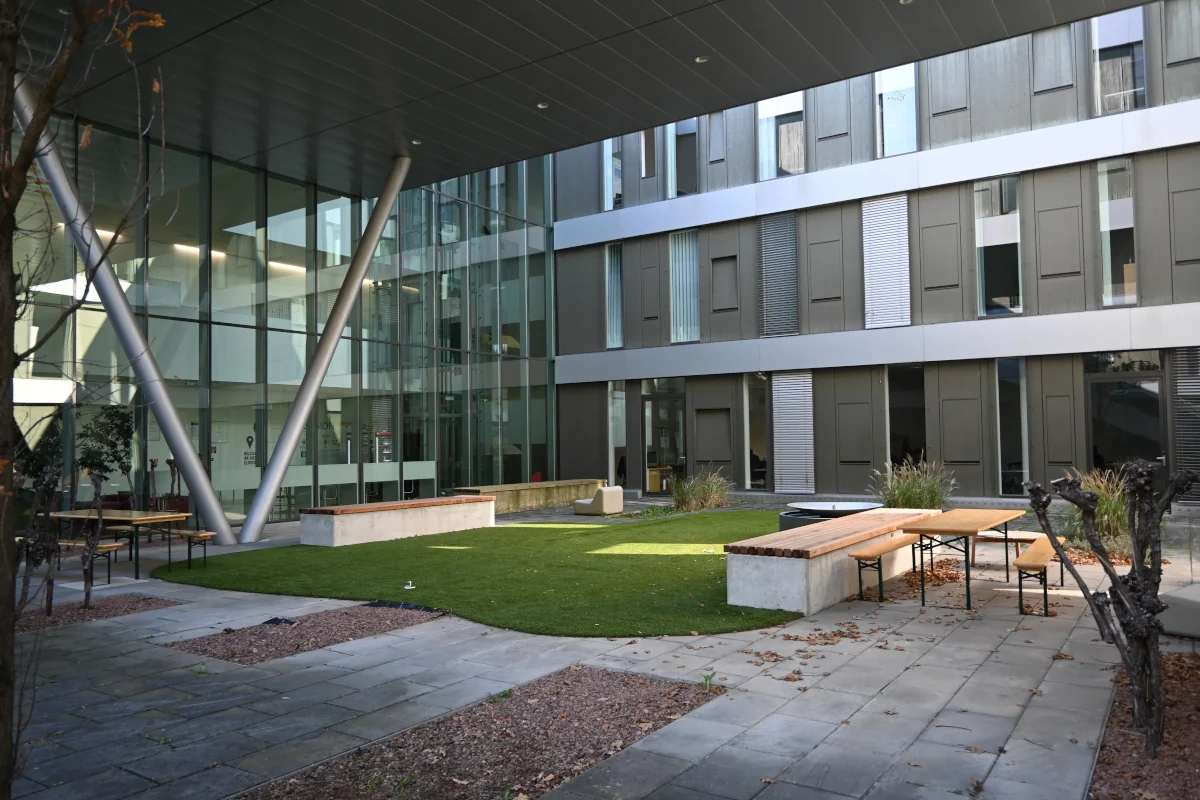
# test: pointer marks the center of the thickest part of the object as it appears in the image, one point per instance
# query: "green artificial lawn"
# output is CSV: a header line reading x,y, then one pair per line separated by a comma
x,y
632,579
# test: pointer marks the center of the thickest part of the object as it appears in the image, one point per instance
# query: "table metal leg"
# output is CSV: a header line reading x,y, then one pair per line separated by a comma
x,y
921,542
137,555
966,543
1006,578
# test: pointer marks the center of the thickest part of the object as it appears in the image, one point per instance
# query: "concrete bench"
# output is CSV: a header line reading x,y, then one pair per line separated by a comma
x,y
511,497
608,500
806,569
335,526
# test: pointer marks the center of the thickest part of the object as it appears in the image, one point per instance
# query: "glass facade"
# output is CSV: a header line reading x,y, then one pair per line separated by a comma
x,y
442,377
1118,62
998,246
896,111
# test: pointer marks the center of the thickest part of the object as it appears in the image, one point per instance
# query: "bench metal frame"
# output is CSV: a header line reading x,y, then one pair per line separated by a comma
x,y
1040,577
877,565
191,542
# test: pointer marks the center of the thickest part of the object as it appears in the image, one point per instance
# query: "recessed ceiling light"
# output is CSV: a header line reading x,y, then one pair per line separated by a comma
x,y
701,59
543,106
906,2
417,142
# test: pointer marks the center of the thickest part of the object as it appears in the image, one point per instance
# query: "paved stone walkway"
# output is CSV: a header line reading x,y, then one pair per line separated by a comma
x,y
924,704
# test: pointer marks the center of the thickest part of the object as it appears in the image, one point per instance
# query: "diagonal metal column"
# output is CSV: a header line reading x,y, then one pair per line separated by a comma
x,y
306,396
145,369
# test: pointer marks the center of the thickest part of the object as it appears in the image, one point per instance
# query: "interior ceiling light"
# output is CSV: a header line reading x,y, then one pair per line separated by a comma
x,y
906,2
417,142
543,106
701,59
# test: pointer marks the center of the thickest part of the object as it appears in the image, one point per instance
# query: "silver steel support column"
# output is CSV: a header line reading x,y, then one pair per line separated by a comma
x,y
112,296
306,396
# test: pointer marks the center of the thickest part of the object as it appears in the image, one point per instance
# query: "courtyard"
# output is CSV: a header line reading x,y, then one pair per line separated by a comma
x,y
859,700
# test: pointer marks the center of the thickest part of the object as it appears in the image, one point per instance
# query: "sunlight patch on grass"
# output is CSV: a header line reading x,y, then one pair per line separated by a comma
x,y
549,526
449,547
657,549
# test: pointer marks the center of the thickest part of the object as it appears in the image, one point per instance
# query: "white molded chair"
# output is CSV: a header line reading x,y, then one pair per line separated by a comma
x,y
608,500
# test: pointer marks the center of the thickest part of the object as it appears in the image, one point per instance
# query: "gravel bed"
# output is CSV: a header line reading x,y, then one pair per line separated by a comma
x,y
264,642
114,605
518,744
1123,771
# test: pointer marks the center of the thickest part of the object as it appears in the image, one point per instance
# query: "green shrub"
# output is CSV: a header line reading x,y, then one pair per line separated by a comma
x,y
1112,512
706,490
914,484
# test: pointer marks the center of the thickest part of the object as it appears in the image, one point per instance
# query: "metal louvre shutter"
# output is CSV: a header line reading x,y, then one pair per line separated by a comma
x,y
777,280
885,261
792,443
1185,402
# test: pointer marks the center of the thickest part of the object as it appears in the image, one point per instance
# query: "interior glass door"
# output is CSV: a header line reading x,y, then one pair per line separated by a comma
x,y
1126,418
666,444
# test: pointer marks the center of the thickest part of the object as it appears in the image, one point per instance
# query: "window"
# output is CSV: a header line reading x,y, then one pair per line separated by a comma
x,y
1118,256
758,440
781,136
716,137
896,111
682,158
906,412
998,246
612,174
1013,424
1118,62
614,296
617,468
685,287
649,153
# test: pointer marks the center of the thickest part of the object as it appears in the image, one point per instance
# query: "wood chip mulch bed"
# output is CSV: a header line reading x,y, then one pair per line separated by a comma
x,y
115,605
518,745
1123,771
265,642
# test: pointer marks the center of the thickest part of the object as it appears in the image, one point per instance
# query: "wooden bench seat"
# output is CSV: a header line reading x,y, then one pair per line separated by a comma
x,y
194,539
806,569
335,526
871,557
1015,538
103,550
1032,565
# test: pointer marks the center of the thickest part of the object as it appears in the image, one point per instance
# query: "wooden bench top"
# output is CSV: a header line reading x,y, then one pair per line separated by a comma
x,y
874,551
101,547
831,534
1038,555
195,534
398,505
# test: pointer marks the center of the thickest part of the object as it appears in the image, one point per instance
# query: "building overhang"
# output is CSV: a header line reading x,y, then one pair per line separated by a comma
x,y
332,92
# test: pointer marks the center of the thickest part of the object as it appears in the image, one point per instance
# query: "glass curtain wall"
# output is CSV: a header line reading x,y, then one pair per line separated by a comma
x,y
442,377
896,111
998,246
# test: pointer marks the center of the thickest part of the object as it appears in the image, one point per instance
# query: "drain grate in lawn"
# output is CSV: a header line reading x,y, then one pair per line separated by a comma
x,y
521,743
279,638
116,605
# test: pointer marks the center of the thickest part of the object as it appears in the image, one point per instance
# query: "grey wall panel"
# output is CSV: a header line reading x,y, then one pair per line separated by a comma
x,y
1153,227
1057,247
956,423
832,110
948,83
578,183
579,295
725,284
631,165
741,145
1000,81
583,430
749,264
715,443
1057,424
825,270
854,314
850,434
1180,38
943,221
720,245
862,119
1183,169
651,307
831,269
1053,59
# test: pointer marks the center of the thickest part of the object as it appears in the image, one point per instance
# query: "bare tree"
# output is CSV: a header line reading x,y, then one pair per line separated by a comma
x,y
1126,613
88,26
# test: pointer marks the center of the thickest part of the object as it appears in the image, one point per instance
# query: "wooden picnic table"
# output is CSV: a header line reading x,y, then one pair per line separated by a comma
x,y
955,529
154,521
823,537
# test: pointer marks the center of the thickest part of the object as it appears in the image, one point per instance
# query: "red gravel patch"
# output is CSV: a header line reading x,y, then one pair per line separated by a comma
x,y
1123,771
538,737
260,643
115,605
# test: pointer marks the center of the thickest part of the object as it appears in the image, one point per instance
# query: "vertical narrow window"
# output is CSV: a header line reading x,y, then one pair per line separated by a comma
x,y
1118,254
685,287
758,430
781,136
614,294
896,111
716,137
906,412
682,158
1013,424
612,173
616,433
649,153
1118,62
998,246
